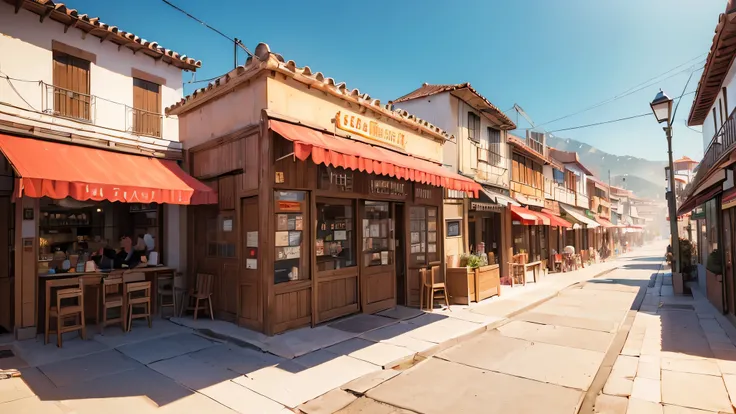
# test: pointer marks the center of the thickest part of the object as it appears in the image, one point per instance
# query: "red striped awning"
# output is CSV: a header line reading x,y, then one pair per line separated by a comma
x,y
524,215
57,170
604,222
329,149
555,220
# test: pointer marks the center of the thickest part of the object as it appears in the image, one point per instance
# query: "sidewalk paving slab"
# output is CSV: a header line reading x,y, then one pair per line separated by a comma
x,y
328,403
166,347
377,353
704,392
558,335
608,404
637,406
88,368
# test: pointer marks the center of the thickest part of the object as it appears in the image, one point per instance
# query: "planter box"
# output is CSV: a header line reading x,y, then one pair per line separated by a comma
x,y
465,285
678,284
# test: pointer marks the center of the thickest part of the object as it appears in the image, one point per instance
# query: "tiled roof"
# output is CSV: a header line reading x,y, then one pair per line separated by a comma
x,y
685,159
568,157
265,60
71,18
429,90
720,57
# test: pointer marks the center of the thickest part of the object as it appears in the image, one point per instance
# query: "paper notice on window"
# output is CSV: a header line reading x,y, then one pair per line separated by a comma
x,y
341,235
251,263
282,238
384,257
251,239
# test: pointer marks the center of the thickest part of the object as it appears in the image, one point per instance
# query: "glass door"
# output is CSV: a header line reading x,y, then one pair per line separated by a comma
x,y
377,276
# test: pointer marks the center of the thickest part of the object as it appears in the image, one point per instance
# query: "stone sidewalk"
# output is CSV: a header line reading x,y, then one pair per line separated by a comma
x,y
217,367
679,357
543,359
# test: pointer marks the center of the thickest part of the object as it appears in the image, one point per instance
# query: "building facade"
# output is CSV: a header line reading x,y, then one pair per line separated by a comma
x,y
480,151
330,203
83,135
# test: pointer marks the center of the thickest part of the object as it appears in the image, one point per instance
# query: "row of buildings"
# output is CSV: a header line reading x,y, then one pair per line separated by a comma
x,y
706,198
306,200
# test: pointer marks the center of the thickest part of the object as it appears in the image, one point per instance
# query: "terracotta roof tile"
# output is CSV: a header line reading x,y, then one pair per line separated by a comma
x,y
429,90
568,157
720,57
264,60
92,25
685,159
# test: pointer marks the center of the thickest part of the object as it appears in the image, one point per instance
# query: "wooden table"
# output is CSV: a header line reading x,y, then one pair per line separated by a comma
x,y
151,273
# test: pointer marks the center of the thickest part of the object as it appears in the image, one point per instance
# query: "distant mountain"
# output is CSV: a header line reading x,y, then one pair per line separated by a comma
x,y
645,178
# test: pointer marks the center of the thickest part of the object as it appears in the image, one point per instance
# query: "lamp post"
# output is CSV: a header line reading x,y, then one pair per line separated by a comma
x,y
662,109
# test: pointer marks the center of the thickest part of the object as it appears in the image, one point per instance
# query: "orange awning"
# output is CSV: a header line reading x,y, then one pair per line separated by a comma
x,y
542,218
340,152
524,215
56,170
555,220
604,222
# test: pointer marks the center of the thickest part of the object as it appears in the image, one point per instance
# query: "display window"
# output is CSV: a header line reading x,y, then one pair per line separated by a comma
x,y
377,234
289,240
335,235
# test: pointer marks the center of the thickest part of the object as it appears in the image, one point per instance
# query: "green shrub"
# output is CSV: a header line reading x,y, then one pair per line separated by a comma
x,y
714,264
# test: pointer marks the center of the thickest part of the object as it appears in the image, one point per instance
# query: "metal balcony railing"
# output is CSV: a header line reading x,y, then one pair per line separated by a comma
x,y
723,141
67,103
535,145
142,122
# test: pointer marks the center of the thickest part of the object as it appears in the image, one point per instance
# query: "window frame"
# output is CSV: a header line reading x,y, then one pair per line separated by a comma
x,y
494,146
474,127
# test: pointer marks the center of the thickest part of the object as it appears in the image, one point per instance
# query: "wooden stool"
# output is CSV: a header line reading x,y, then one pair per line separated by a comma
x,y
68,290
203,291
112,297
138,294
165,294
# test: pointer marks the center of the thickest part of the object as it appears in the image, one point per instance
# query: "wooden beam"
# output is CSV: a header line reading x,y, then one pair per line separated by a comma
x,y
72,25
18,4
106,36
46,14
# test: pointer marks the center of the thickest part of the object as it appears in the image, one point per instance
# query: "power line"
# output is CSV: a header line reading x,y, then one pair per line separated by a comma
x,y
604,122
235,41
634,89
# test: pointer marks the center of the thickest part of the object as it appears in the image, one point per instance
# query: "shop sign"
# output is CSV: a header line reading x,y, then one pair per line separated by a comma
x,y
370,129
590,214
477,206
422,193
388,187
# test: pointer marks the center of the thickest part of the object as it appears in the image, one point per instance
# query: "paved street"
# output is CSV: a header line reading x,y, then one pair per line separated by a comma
x,y
557,346
677,357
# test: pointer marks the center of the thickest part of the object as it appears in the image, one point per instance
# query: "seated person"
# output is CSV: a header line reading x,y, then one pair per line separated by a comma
x,y
127,255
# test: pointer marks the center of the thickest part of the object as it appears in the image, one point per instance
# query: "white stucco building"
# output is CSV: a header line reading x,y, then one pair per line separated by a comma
x,y
69,80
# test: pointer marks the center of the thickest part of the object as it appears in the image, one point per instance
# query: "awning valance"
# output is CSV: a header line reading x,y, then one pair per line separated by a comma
x,y
57,170
340,152
499,198
578,216
524,215
604,222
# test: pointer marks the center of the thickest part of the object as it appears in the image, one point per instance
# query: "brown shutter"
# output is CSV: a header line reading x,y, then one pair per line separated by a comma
x,y
146,108
71,87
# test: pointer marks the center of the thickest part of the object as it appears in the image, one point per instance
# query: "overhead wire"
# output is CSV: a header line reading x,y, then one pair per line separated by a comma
x,y
242,46
643,85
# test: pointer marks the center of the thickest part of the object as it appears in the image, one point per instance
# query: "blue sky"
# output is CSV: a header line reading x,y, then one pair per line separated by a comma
x,y
552,58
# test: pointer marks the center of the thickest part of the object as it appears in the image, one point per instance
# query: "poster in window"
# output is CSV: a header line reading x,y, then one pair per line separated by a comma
x,y
375,230
432,237
295,238
414,237
432,226
287,253
366,227
291,223
251,239
431,212
384,257
282,238
341,235
298,224
227,225
319,247
282,222
432,248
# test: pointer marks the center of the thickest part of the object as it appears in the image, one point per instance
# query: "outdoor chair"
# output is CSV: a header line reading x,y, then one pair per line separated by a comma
x,y
138,297
112,298
203,291
432,288
67,306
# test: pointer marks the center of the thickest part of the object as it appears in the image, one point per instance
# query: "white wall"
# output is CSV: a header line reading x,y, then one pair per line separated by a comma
x,y
451,114
709,127
25,53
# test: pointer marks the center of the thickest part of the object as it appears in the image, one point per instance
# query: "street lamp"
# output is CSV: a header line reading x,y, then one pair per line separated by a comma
x,y
662,109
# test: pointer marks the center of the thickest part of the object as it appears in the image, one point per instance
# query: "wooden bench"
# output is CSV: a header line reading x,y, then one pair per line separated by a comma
x,y
523,268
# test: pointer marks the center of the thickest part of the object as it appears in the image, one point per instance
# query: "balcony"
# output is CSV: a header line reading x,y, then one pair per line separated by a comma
x,y
720,147
536,145
98,111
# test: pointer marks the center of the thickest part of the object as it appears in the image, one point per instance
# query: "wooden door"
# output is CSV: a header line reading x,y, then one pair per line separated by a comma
x,y
71,92
250,308
378,282
146,108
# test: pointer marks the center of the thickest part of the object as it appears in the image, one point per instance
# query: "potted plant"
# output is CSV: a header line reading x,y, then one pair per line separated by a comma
x,y
474,280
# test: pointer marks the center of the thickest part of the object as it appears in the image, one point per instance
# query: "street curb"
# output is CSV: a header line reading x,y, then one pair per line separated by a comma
x,y
587,402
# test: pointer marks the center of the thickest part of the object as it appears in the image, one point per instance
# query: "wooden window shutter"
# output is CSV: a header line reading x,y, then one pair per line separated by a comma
x,y
146,108
71,91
